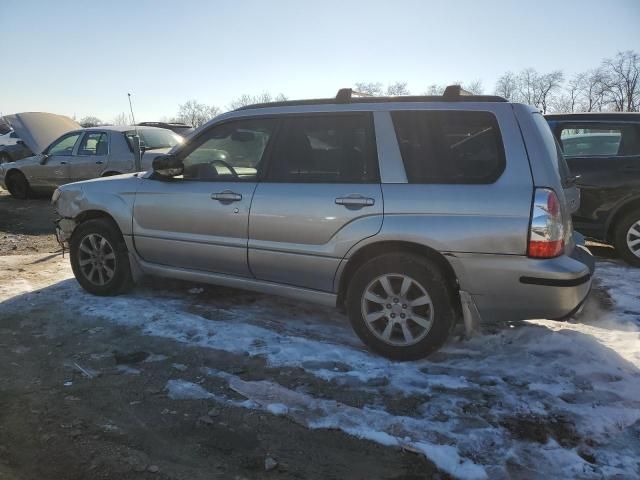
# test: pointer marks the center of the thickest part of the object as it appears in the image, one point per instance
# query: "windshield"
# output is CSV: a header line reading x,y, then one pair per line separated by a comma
x,y
156,138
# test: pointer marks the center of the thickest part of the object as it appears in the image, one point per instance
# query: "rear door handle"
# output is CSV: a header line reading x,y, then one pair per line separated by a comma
x,y
355,201
226,197
99,162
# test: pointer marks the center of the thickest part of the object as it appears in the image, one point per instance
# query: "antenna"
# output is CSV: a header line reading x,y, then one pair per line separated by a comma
x,y
137,150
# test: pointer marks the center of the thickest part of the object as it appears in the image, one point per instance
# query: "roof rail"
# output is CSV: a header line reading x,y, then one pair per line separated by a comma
x,y
453,93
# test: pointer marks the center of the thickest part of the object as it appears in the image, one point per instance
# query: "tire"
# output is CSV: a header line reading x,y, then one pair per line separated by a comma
x,y
427,287
99,258
18,185
626,237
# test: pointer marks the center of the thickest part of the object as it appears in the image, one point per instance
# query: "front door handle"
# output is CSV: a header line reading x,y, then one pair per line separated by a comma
x,y
355,201
63,163
99,162
226,197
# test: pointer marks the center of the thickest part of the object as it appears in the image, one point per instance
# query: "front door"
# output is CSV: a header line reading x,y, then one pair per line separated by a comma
x,y
199,220
91,157
55,170
320,196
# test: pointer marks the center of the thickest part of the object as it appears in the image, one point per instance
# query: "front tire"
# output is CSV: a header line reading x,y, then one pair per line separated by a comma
x,y
99,258
400,306
626,238
18,185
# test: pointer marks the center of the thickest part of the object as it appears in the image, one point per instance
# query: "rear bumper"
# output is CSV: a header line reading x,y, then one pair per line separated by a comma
x,y
510,287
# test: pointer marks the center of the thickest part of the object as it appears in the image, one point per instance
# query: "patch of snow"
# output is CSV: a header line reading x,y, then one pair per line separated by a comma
x,y
183,390
586,371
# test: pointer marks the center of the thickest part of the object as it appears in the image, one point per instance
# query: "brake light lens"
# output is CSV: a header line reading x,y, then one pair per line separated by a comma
x,y
546,231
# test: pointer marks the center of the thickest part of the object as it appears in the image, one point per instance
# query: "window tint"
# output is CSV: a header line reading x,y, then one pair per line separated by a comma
x,y
94,143
449,146
599,140
232,151
64,146
325,149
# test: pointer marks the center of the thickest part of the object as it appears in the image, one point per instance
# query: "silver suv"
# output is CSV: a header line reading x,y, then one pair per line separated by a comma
x,y
411,212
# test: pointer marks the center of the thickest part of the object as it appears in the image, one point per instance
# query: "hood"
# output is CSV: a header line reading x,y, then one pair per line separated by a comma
x,y
38,129
32,160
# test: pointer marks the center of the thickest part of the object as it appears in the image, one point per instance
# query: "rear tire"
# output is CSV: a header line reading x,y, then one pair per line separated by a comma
x,y
99,258
400,306
626,237
18,185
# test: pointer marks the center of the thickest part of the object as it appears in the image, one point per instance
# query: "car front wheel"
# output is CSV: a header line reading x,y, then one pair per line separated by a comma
x,y
400,306
18,185
99,258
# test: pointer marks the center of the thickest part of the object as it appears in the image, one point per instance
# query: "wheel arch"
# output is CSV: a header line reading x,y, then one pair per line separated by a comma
x,y
110,173
372,250
628,206
87,215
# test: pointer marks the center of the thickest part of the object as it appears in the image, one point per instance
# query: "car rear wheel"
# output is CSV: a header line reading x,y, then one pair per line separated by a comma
x,y
627,238
400,306
18,185
99,258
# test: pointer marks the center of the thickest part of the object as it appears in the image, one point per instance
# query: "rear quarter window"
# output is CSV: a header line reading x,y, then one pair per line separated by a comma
x,y
450,147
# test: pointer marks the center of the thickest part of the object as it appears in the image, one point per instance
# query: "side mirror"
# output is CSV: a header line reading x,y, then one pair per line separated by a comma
x,y
167,166
43,158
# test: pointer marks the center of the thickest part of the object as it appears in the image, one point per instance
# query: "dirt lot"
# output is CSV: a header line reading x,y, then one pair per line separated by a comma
x,y
57,423
184,381
26,226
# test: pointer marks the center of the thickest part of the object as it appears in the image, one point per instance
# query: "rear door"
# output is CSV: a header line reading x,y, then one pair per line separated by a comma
x,y
91,156
321,195
605,156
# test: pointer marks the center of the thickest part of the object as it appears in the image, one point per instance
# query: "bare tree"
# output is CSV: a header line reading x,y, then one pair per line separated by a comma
x,y
621,80
370,88
121,119
196,114
435,89
475,86
90,121
397,89
507,86
545,87
264,97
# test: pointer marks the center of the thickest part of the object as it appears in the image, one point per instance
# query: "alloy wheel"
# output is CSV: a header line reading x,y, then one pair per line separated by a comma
x,y
633,238
397,309
97,259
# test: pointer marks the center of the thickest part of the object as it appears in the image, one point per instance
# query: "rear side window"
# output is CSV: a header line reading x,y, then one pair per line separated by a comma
x,y
593,140
325,149
449,147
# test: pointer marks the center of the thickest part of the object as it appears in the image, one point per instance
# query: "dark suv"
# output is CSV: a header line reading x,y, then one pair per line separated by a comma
x,y
603,151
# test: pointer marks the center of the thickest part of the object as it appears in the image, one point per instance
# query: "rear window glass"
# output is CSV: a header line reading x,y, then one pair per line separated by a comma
x,y
449,147
599,140
154,139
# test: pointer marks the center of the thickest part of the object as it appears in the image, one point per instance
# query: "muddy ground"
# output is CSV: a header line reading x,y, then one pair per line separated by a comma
x,y
114,420
169,382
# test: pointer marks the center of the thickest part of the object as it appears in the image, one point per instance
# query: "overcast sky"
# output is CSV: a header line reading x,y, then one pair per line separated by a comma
x,y
81,58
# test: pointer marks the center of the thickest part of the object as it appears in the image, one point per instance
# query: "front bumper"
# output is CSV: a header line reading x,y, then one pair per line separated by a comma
x,y
511,287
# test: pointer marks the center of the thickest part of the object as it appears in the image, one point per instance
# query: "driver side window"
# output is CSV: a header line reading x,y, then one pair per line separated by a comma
x,y
230,152
64,146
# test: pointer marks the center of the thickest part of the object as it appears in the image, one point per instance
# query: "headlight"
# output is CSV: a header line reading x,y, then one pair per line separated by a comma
x,y
55,196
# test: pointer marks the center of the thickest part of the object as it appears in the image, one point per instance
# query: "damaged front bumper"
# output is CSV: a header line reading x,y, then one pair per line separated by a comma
x,y
64,230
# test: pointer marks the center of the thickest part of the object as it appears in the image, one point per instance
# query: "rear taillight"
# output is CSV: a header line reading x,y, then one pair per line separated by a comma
x,y
546,231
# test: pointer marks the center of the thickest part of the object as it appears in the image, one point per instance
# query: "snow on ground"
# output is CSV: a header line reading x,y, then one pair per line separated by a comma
x,y
537,399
